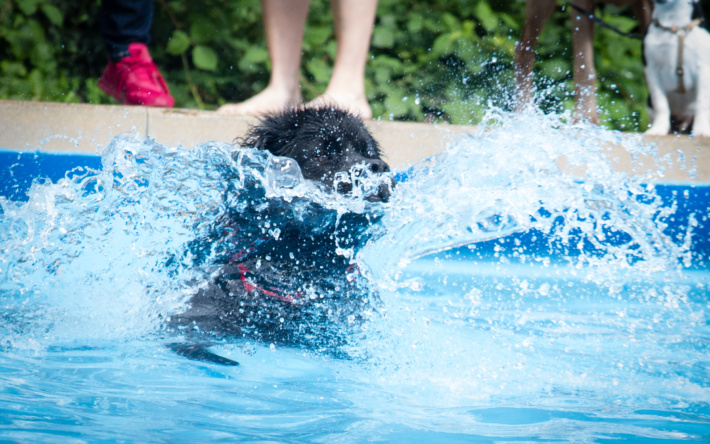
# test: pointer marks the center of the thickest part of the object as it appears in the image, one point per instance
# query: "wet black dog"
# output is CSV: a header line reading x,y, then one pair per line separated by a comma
x,y
295,287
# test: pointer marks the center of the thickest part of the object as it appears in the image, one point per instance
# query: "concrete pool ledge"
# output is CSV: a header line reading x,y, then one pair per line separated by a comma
x,y
87,129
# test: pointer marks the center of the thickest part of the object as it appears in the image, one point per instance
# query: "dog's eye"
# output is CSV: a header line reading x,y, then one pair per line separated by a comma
x,y
323,158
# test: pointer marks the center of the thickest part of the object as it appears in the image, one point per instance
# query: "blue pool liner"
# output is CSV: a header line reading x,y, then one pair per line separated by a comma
x,y
19,169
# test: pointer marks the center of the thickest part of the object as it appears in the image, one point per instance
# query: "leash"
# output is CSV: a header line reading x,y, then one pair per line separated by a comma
x,y
681,32
602,23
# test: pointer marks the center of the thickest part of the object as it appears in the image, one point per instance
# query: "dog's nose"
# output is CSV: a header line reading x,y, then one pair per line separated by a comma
x,y
377,166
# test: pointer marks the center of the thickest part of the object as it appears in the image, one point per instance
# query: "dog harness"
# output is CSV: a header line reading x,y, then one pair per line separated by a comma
x,y
251,286
681,33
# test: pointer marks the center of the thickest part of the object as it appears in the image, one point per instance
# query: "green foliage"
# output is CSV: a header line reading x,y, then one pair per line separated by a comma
x,y
431,60
441,59
43,52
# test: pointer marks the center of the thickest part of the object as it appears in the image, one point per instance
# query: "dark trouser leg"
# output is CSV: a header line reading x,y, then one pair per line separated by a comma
x,y
123,22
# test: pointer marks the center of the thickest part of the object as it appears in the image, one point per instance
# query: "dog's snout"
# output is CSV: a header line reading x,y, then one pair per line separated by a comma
x,y
384,191
382,195
377,166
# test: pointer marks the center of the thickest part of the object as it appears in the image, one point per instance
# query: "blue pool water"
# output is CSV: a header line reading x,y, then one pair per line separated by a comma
x,y
516,302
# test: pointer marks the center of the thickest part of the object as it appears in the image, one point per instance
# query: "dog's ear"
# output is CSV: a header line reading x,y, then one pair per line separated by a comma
x,y
255,138
262,136
274,132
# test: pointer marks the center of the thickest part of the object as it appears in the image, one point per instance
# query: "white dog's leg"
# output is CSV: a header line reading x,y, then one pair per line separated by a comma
x,y
701,123
662,114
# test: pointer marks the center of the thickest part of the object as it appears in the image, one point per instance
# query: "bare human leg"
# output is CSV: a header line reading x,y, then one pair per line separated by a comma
x,y
537,14
284,22
585,76
354,20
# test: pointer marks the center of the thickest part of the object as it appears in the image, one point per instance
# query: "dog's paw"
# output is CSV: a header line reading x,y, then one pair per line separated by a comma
x,y
701,127
658,130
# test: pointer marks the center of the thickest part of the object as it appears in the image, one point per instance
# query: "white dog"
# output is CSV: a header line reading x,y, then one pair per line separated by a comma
x,y
677,51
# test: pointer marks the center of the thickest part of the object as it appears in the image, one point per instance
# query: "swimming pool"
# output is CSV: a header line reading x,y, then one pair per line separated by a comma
x,y
517,303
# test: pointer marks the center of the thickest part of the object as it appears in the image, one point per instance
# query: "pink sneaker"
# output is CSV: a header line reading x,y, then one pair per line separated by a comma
x,y
135,80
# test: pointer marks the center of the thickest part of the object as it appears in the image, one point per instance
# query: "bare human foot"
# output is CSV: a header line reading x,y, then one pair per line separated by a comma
x,y
268,101
356,104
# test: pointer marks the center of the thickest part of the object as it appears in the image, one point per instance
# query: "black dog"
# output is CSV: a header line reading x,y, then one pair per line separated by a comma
x,y
293,288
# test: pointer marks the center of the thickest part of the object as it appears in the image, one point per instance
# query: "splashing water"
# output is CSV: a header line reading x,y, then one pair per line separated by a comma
x,y
81,256
508,179
87,257
589,318
598,310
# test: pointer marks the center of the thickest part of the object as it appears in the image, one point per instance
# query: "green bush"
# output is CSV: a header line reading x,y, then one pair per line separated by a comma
x,y
431,60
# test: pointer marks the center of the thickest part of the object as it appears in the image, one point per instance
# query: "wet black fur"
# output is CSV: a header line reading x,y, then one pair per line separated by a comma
x,y
301,261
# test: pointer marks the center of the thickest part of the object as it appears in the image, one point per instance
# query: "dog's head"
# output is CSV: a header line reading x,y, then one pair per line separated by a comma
x,y
691,7
323,141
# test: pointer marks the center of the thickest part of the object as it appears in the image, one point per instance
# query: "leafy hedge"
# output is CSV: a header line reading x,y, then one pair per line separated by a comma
x,y
431,60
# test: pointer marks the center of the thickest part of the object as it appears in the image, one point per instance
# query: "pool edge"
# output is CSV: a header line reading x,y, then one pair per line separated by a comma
x,y
87,129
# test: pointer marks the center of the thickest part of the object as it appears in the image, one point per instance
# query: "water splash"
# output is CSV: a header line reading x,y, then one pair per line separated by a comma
x,y
90,257
102,254
530,171
586,319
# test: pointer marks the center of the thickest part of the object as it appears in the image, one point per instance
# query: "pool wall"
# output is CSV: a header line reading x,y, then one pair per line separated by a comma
x,y
87,129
